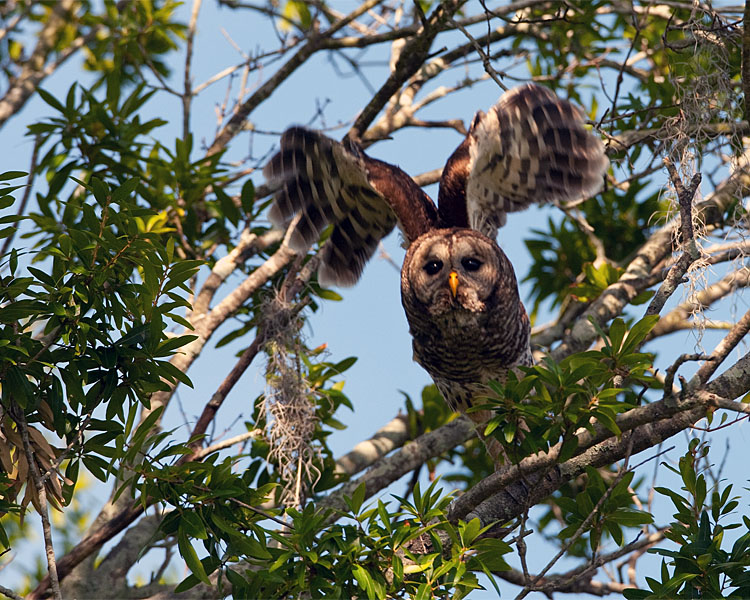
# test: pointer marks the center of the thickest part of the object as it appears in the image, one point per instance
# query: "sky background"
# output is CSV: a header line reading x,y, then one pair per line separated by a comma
x,y
369,322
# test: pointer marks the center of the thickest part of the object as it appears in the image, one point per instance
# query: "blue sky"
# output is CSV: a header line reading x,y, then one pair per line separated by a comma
x,y
369,322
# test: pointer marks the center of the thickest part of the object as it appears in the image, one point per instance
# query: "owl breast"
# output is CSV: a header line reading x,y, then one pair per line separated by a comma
x,y
466,319
470,347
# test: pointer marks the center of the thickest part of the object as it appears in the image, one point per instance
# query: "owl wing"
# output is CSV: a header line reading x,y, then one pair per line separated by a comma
x,y
529,147
328,182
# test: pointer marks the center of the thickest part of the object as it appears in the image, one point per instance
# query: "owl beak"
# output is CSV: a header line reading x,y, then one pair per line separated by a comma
x,y
453,282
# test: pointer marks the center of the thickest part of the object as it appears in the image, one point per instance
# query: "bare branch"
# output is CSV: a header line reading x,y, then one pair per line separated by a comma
x,y
691,253
237,439
681,360
578,581
187,94
675,318
411,59
485,58
392,435
391,468
26,193
248,245
583,526
34,70
89,544
314,43
9,593
43,509
722,350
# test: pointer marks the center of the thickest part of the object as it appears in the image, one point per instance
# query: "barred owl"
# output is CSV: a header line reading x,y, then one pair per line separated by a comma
x,y
458,288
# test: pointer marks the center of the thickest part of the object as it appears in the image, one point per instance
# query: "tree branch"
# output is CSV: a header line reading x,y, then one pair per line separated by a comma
x,y
393,467
392,435
314,43
411,59
43,509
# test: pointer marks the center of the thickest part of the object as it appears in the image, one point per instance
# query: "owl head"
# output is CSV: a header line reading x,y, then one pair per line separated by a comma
x,y
452,269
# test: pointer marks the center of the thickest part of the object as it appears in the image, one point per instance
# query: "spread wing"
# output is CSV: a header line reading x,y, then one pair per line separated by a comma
x,y
529,147
327,182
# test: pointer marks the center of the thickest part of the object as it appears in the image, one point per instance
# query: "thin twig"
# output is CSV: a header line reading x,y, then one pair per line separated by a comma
x,y
26,193
681,359
43,509
489,69
723,349
260,511
690,255
187,95
237,439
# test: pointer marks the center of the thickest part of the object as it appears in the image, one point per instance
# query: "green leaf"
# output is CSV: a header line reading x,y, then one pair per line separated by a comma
x,y
18,387
631,517
569,446
228,207
42,276
247,196
190,557
12,175
193,525
363,579
175,373
145,427
638,332
327,294
124,191
51,100
13,261
189,582
101,191
616,334
358,497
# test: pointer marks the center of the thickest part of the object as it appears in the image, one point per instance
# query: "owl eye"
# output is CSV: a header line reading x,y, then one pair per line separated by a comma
x,y
433,267
471,264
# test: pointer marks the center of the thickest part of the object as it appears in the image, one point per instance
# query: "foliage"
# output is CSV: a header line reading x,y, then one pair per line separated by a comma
x,y
704,566
577,392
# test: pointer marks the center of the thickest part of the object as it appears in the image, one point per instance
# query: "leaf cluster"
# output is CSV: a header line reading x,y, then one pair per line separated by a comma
x,y
704,565
553,400
83,341
371,554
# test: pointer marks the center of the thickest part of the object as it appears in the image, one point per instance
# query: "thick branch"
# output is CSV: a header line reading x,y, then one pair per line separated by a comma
x,y
535,487
314,43
392,435
412,455
412,58
36,69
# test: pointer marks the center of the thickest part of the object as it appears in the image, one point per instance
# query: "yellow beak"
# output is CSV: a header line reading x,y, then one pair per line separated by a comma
x,y
453,282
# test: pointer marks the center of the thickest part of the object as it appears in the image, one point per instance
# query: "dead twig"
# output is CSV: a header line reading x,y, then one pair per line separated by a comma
x,y
675,276
43,508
